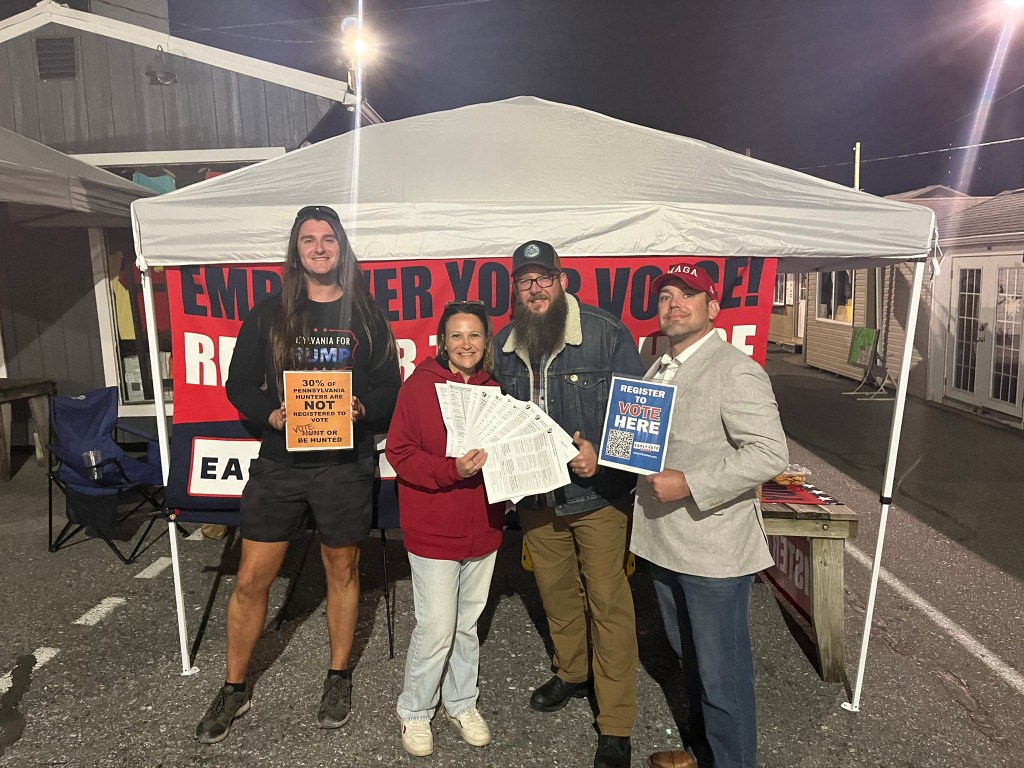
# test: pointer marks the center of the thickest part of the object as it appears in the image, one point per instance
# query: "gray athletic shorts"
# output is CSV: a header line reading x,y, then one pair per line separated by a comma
x,y
277,498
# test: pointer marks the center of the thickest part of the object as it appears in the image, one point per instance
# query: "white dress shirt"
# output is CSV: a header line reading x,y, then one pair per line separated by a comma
x,y
670,365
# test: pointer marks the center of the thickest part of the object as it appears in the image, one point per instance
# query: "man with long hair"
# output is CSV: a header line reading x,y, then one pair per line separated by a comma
x,y
323,319
561,354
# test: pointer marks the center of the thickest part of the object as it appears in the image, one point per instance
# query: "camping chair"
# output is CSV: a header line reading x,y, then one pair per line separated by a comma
x,y
93,491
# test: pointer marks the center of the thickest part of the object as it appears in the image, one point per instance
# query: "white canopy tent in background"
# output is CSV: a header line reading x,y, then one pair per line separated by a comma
x,y
476,181
44,187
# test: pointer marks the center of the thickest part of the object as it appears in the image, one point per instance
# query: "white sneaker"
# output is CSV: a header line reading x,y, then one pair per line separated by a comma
x,y
472,727
417,738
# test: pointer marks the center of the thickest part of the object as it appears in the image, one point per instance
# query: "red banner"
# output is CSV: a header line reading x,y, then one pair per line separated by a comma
x,y
208,304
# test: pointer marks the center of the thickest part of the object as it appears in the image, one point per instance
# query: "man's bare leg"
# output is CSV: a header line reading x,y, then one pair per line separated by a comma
x,y
247,608
342,567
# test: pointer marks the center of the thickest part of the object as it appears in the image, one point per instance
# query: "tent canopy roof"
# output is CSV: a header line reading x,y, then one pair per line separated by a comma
x,y
476,181
44,187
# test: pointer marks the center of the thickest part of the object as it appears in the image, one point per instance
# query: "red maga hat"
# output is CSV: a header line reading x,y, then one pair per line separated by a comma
x,y
689,275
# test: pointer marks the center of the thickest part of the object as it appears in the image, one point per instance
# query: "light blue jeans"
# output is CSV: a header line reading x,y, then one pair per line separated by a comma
x,y
449,596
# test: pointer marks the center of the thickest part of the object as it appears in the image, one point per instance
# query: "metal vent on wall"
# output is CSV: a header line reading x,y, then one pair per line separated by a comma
x,y
55,58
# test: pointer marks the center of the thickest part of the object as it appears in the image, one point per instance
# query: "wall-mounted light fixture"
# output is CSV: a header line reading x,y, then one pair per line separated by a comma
x,y
159,70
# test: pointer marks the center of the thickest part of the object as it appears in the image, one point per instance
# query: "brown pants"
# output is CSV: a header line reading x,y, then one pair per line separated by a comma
x,y
588,550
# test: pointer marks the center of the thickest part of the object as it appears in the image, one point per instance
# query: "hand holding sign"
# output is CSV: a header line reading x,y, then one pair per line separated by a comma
x,y
585,464
277,418
668,485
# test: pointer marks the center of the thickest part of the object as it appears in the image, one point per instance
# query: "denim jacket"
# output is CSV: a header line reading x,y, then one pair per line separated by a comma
x,y
577,377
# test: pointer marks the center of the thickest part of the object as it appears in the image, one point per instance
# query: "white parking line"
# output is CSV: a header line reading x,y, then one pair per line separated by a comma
x,y
1008,674
42,655
196,535
154,569
95,615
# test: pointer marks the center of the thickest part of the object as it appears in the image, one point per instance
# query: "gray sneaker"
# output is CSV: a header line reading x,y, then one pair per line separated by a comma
x,y
228,705
336,704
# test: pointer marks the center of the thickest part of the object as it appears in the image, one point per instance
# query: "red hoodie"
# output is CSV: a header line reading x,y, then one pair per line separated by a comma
x,y
443,516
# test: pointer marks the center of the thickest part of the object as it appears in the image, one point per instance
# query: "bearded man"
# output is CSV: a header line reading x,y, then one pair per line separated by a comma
x,y
561,354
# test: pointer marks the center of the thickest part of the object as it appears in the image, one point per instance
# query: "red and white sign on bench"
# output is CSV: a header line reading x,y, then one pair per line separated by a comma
x,y
791,573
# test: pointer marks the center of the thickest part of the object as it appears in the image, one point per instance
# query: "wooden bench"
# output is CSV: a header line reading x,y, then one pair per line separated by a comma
x,y
37,392
826,527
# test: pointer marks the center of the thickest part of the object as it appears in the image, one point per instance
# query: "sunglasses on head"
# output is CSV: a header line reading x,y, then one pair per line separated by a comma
x,y
464,303
318,211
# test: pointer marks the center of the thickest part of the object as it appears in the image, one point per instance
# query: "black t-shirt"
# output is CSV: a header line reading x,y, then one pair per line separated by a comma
x,y
339,338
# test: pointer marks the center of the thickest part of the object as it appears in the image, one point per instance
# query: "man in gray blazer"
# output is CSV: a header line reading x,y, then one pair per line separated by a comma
x,y
698,522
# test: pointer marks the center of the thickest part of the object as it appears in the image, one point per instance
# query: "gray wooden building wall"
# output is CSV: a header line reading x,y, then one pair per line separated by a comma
x,y
111,107
48,315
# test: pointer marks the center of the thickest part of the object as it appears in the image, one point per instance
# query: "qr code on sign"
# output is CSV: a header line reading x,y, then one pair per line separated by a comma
x,y
620,444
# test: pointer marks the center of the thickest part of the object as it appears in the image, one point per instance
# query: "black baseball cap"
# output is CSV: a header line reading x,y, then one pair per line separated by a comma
x,y
537,254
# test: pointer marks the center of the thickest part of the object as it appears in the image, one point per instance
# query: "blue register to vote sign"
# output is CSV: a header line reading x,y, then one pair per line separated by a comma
x,y
636,425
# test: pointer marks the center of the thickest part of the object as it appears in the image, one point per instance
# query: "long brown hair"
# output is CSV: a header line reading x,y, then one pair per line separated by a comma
x,y
292,317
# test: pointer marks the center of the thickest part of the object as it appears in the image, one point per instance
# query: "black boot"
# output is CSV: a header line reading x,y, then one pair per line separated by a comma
x,y
555,694
612,752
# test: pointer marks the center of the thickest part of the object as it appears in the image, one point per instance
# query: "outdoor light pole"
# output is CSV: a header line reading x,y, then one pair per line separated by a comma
x,y
355,49
856,166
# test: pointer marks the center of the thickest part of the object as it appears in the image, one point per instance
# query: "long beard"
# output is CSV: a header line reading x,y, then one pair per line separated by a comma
x,y
541,334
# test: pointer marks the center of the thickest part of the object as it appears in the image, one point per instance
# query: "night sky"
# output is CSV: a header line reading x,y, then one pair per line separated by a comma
x,y
797,82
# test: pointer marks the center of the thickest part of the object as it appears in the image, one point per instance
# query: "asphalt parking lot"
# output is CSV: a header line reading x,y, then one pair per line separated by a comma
x,y
90,672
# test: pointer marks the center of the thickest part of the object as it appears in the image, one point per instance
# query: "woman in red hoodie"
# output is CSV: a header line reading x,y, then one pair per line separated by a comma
x,y
451,533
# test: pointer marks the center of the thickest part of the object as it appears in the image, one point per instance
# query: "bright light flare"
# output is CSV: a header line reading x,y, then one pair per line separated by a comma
x,y
985,101
357,45
354,46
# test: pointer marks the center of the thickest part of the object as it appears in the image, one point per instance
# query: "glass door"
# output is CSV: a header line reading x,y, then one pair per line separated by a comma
x,y
987,316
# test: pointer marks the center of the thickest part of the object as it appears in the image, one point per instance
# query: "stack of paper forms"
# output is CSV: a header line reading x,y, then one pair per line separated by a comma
x,y
527,451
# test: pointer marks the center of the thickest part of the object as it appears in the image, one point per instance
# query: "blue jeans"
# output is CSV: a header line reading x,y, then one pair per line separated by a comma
x,y
449,596
707,623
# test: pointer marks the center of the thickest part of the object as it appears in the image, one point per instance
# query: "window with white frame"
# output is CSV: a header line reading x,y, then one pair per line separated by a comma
x,y
835,296
783,291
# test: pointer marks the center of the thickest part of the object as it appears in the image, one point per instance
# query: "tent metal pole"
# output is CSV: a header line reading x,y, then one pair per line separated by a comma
x,y
887,482
160,406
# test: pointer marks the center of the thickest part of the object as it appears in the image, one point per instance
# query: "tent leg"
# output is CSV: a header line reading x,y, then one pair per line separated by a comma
x,y
389,601
165,453
179,604
887,482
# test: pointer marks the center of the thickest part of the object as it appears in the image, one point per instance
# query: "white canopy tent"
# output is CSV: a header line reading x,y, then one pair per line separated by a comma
x,y
44,187
472,182
475,181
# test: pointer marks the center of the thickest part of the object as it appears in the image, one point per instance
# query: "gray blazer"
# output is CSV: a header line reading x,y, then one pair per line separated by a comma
x,y
726,436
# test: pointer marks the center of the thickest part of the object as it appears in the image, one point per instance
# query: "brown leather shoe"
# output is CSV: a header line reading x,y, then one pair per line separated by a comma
x,y
675,758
